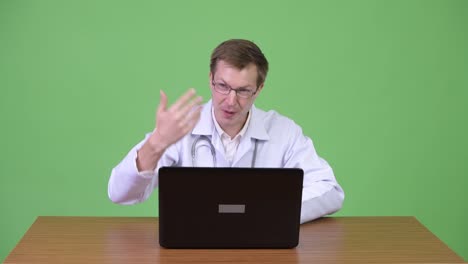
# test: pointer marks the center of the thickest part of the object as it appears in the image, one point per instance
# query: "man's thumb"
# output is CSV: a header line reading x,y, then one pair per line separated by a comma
x,y
162,101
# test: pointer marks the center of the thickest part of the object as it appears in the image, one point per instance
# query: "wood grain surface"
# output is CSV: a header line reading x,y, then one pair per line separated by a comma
x,y
135,240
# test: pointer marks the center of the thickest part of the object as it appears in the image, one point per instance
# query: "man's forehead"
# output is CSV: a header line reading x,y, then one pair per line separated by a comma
x,y
246,76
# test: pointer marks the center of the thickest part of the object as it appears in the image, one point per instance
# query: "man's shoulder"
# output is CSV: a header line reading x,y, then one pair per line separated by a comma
x,y
273,118
278,126
270,114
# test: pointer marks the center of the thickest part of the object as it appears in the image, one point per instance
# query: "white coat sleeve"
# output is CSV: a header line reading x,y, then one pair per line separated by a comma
x,y
321,194
127,185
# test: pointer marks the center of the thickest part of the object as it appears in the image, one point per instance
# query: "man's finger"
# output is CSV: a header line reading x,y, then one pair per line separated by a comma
x,y
190,106
192,118
162,101
183,99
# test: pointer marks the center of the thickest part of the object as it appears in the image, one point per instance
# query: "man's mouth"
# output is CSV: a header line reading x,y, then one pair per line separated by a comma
x,y
229,113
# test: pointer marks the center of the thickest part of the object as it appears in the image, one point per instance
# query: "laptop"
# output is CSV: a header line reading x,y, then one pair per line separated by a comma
x,y
229,207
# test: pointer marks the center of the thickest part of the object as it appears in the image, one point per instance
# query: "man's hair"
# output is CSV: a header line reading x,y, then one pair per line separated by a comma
x,y
240,53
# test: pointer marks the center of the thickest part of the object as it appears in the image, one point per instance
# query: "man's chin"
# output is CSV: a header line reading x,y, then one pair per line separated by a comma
x,y
227,122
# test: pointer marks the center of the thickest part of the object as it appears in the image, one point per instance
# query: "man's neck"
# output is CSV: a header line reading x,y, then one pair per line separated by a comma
x,y
232,131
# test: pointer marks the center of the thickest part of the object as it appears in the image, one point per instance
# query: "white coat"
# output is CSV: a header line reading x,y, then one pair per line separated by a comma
x,y
281,143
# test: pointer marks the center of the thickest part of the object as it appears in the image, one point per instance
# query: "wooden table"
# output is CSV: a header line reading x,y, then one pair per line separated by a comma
x,y
135,240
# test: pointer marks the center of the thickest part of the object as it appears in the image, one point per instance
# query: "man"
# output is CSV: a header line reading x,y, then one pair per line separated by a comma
x,y
227,131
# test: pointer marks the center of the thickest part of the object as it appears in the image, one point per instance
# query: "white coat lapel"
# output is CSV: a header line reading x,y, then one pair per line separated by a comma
x,y
255,132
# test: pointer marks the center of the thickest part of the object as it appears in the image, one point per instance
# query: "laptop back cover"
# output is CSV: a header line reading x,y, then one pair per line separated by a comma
x,y
229,207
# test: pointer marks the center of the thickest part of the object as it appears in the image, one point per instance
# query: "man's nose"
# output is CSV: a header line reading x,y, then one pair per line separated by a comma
x,y
231,97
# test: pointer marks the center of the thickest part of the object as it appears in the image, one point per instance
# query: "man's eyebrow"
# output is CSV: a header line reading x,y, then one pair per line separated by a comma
x,y
237,88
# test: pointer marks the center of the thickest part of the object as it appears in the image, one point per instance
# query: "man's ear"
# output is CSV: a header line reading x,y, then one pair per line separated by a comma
x,y
260,87
258,91
210,76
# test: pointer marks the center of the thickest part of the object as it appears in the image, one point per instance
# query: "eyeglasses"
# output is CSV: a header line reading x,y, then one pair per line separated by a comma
x,y
223,88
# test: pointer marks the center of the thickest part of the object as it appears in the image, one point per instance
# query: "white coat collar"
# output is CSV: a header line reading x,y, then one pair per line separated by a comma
x,y
256,129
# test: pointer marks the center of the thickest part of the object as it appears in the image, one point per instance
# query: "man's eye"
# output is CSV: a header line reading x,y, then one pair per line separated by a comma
x,y
223,86
243,91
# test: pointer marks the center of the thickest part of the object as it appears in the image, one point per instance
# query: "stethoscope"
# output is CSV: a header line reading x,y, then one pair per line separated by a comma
x,y
213,151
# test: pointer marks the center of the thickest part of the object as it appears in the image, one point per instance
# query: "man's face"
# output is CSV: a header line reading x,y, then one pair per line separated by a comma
x,y
230,109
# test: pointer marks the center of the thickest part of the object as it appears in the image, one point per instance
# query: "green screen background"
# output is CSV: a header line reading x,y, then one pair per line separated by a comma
x,y
380,86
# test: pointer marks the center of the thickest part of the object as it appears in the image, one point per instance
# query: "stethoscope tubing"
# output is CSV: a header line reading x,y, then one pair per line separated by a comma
x,y
213,151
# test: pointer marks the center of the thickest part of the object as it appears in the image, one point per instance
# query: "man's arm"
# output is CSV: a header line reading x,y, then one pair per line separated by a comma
x,y
321,195
133,179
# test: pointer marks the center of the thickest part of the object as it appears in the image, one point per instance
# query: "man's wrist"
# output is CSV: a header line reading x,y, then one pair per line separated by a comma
x,y
156,144
149,154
